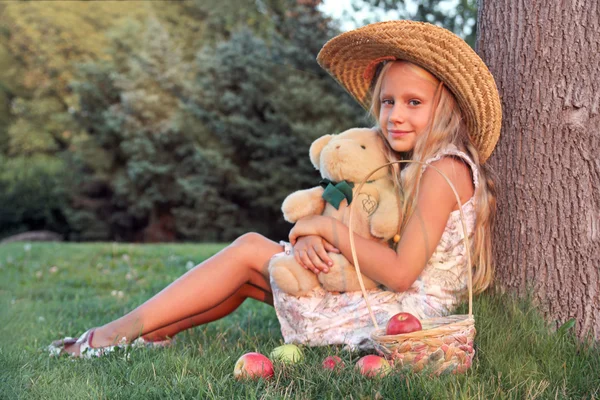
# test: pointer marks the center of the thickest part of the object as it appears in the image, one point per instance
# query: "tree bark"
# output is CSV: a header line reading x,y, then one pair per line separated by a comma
x,y
545,57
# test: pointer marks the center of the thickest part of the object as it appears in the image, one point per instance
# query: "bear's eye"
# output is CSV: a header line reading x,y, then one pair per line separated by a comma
x,y
362,146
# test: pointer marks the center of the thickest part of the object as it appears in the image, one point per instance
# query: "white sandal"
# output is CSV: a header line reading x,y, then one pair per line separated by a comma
x,y
86,350
141,342
84,341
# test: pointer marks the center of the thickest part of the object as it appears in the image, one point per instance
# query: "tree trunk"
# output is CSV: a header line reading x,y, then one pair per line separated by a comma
x,y
545,57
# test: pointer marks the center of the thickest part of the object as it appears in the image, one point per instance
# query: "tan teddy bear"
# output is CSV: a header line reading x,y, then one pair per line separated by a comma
x,y
344,161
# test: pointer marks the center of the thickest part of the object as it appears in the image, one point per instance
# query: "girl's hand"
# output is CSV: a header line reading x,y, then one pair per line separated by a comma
x,y
307,226
311,253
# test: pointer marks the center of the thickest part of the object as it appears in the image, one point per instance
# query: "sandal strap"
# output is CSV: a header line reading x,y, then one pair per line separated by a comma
x,y
84,342
64,342
86,350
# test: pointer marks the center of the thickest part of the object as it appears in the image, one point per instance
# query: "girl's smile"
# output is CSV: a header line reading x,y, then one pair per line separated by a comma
x,y
407,94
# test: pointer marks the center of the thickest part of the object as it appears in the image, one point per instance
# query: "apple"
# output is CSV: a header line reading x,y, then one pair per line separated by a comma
x,y
332,363
253,366
288,353
402,323
372,366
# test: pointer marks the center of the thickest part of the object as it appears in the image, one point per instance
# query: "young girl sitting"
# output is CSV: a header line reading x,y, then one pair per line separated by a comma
x,y
434,101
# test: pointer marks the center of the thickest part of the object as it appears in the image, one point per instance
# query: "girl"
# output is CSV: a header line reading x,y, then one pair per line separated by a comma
x,y
434,101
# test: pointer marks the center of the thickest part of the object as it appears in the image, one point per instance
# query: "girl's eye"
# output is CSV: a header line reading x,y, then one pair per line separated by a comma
x,y
387,101
414,102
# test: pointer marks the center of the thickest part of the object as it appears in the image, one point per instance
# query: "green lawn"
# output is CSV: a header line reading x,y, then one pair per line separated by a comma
x,y
48,291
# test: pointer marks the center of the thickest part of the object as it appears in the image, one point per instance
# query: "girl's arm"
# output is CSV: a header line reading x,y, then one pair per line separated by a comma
x,y
398,270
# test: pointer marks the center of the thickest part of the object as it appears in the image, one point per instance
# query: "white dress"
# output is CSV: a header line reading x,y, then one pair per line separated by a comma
x,y
324,318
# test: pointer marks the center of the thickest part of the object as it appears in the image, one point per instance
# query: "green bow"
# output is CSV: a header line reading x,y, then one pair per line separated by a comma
x,y
335,192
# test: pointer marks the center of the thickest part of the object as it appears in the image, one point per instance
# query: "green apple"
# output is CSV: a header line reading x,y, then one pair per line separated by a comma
x,y
288,353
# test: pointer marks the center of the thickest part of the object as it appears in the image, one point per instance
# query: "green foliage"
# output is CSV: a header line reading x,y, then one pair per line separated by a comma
x,y
459,16
205,150
41,126
40,46
47,40
4,122
40,43
175,120
264,104
145,169
31,194
50,290
223,18
6,76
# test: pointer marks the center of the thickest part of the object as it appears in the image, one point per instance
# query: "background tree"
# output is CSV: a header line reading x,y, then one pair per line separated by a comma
x,y
265,104
459,16
40,46
545,58
164,120
131,137
204,150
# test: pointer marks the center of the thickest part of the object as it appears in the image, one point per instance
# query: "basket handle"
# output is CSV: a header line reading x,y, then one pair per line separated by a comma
x,y
462,218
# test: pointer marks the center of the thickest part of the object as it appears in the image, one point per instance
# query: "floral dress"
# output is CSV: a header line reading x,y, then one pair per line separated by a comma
x,y
324,318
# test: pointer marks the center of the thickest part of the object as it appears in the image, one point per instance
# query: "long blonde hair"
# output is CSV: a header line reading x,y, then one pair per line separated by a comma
x,y
445,127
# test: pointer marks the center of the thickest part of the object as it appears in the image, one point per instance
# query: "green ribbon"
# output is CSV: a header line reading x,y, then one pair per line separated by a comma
x,y
335,192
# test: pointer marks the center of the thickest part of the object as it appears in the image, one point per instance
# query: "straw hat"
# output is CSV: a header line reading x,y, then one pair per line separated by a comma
x,y
352,59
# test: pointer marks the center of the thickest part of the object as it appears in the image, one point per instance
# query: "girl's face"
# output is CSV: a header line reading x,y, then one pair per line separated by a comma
x,y
407,96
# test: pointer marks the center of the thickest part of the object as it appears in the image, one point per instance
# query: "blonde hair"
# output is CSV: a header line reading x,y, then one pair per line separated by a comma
x,y
445,127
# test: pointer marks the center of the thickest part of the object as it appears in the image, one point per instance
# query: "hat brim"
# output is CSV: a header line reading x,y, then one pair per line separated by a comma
x,y
351,59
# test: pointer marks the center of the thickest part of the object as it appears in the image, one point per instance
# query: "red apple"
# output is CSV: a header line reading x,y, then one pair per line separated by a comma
x,y
253,366
372,366
332,363
402,323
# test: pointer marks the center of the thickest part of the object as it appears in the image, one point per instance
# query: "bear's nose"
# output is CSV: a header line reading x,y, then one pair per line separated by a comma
x,y
338,146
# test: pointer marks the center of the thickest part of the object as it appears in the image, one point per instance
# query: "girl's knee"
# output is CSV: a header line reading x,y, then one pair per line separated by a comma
x,y
249,244
256,247
249,240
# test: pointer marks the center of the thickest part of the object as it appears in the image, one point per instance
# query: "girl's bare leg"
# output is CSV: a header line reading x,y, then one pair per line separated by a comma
x,y
199,290
215,313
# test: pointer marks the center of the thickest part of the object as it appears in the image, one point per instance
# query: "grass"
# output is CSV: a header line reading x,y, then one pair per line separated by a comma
x,y
50,290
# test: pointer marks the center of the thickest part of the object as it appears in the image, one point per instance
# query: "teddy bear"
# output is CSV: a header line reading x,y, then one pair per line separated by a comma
x,y
344,160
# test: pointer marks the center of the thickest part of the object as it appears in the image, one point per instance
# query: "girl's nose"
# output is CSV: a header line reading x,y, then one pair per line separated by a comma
x,y
397,115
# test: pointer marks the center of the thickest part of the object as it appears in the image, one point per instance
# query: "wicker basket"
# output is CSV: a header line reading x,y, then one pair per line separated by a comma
x,y
444,345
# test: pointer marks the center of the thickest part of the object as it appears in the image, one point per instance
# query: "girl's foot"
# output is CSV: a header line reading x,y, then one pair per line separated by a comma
x,y
82,346
93,344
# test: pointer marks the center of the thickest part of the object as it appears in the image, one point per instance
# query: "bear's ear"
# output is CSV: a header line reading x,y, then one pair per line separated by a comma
x,y
316,147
